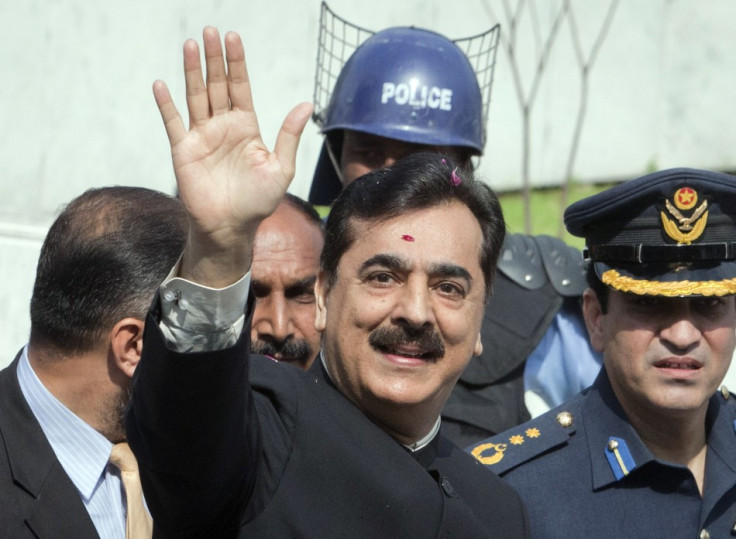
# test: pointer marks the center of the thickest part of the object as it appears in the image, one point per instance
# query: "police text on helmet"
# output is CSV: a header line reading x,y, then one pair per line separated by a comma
x,y
415,95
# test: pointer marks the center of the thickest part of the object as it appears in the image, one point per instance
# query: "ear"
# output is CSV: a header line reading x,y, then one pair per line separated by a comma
x,y
593,315
478,350
321,289
126,343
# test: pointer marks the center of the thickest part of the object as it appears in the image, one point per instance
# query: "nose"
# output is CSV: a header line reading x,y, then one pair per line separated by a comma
x,y
271,319
414,306
681,330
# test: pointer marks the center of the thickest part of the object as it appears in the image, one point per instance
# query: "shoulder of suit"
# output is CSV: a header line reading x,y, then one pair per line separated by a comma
x,y
521,444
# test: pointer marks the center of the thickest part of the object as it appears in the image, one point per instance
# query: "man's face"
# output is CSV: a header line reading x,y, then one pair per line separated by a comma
x,y
663,355
285,266
403,317
363,153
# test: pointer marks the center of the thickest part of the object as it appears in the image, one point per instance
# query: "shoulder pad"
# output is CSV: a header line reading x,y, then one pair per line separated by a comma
x,y
532,261
520,261
520,444
726,397
565,265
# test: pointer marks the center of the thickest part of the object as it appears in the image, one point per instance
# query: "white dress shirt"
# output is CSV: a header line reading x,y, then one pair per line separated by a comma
x,y
82,451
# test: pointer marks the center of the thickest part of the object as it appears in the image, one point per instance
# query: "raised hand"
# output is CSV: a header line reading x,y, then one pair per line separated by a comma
x,y
228,179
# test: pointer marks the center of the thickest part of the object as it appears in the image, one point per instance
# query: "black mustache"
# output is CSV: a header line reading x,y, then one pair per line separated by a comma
x,y
426,338
290,348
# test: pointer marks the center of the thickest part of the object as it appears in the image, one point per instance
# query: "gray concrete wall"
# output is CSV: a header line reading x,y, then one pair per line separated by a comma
x,y
77,109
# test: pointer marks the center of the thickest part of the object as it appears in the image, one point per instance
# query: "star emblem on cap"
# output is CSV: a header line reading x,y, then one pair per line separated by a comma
x,y
685,198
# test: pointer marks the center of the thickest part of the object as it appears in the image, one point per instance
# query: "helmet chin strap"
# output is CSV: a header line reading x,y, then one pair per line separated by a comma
x,y
335,162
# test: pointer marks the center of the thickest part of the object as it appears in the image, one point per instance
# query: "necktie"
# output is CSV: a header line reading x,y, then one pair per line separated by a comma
x,y
138,523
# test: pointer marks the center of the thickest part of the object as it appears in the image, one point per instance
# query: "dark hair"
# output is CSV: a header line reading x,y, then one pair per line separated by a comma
x,y
306,209
418,181
103,260
600,289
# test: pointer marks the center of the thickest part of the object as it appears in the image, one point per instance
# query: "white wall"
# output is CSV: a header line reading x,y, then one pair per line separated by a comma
x,y
77,109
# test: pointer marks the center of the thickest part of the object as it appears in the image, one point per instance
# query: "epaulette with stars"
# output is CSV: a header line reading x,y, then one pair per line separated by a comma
x,y
518,445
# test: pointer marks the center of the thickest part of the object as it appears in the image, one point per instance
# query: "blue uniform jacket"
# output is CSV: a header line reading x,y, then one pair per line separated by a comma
x,y
583,471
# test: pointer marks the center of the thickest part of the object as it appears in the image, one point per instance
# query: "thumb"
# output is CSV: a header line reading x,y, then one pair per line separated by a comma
x,y
289,135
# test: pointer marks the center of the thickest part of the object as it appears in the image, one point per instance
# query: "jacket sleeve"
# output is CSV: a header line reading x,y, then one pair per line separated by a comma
x,y
192,424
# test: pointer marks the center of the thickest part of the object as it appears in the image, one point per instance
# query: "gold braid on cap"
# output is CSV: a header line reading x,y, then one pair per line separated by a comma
x,y
670,289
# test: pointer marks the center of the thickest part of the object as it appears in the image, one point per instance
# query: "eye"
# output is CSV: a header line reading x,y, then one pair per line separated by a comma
x,y
450,290
306,296
709,306
259,290
645,301
381,278
370,156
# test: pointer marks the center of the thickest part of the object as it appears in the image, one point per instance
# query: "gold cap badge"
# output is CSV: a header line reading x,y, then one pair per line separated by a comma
x,y
684,229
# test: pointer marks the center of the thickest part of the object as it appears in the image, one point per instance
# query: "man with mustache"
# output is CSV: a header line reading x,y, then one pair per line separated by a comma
x,y
404,90
649,449
233,444
285,266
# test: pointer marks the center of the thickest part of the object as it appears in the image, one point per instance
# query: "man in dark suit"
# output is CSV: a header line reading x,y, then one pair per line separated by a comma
x,y
380,96
62,399
237,445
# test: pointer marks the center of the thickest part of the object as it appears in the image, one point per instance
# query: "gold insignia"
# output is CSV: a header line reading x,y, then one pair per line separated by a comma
x,y
516,439
564,419
685,229
670,289
613,447
489,459
685,198
533,432
725,392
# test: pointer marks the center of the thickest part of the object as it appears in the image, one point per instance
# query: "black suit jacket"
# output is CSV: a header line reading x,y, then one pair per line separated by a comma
x,y
37,498
227,448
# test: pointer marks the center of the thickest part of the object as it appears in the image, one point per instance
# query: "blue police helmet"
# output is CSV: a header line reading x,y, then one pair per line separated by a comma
x,y
409,84
670,233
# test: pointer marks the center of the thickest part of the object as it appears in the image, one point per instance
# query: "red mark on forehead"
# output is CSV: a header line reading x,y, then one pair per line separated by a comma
x,y
407,237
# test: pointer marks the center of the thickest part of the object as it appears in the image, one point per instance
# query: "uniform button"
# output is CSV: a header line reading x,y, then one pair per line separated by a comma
x,y
564,419
704,534
447,487
169,295
183,304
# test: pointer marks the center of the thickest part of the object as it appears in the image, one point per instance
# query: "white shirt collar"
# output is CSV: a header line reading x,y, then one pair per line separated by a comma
x,y
82,451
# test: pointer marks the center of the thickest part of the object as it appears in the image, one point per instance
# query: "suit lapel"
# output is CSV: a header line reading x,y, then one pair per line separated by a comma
x,y
57,509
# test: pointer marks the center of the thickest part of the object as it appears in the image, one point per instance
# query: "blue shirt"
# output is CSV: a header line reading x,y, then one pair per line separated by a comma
x,y
563,363
82,452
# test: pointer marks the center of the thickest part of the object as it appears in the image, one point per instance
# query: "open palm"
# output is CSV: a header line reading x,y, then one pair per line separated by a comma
x,y
228,180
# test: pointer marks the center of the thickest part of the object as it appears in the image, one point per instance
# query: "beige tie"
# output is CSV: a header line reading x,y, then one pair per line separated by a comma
x,y
138,524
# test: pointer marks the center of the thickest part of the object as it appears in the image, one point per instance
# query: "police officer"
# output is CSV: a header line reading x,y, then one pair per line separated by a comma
x,y
407,89
649,450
